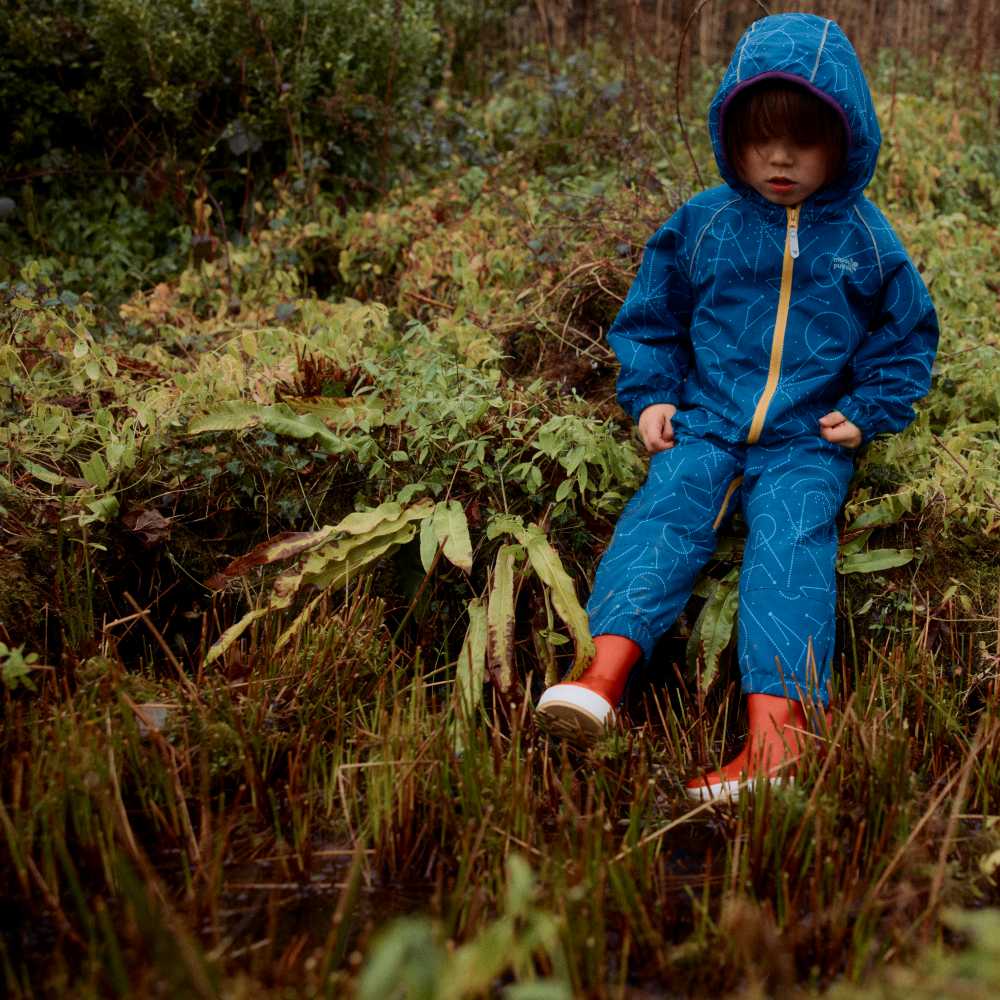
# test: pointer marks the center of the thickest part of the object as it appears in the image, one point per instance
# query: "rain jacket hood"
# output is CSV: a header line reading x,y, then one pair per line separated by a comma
x,y
814,53
756,319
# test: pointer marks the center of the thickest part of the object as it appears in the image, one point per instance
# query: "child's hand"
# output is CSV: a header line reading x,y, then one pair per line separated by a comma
x,y
655,427
835,427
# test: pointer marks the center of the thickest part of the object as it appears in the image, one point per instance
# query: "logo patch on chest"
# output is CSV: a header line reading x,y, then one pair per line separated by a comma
x,y
845,264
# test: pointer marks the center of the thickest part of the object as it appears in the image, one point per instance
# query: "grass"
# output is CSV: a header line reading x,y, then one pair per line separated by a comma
x,y
184,857
335,815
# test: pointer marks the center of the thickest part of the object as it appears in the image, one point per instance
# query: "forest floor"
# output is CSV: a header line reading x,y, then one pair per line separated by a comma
x,y
292,540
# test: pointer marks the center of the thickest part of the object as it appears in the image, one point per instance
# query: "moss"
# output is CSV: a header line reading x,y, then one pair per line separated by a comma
x,y
23,599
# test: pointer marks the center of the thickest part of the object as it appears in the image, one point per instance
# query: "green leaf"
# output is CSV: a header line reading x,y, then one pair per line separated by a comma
x,y
232,415
500,615
16,668
887,511
346,413
564,489
856,544
409,491
470,670
116,450
45,475
405,960
520,892
104,509
452,531
95,471
541,989
546,563
428,543
874,560
282,419
713,629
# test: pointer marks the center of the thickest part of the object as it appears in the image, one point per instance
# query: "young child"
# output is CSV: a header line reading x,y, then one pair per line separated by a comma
x,y
775,325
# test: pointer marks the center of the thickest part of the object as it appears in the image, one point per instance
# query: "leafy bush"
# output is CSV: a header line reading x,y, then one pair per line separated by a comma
x,y
223,77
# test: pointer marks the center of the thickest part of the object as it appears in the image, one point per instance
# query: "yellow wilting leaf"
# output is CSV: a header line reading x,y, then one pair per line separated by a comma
x,y
362,521
338,563
300,620
989,863
546,563
234,632
471,667
370,534
500,615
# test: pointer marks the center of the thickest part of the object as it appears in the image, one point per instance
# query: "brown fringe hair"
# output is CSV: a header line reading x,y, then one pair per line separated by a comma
x,y
774,109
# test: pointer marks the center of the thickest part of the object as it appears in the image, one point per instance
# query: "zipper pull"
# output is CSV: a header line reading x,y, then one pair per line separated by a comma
x,y
793,232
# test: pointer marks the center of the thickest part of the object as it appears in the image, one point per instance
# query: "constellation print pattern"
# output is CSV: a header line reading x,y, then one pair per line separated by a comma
x,y
790,495
697,325
698,329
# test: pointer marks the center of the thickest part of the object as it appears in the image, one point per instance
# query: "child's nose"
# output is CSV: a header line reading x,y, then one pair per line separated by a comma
x,y
781,152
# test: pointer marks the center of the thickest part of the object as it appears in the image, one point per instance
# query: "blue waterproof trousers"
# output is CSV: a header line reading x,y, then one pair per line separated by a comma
x,y
790,493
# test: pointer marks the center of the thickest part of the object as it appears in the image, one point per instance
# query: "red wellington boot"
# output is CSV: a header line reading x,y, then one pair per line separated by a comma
x,y
583,709
773,745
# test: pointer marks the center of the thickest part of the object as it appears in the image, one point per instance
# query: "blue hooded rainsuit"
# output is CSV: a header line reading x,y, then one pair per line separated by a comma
x,y
755,320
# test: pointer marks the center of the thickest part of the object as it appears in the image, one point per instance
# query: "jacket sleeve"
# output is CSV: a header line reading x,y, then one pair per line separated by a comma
x,y
891,369
650,334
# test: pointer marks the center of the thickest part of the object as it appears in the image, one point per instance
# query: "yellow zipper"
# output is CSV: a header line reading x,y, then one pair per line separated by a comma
x,y
780,323
730,490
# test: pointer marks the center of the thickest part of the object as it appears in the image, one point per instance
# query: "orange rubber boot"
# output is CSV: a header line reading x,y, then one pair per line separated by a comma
x,y
582,710
772,747
608,673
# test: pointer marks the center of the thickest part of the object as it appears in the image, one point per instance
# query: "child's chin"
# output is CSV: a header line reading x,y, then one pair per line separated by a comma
x,y
788,197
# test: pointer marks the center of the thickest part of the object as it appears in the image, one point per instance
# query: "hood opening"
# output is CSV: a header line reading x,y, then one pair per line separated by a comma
x,y
824,131
812,53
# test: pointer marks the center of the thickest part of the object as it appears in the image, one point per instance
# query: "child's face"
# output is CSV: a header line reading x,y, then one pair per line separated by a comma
x,y
783,171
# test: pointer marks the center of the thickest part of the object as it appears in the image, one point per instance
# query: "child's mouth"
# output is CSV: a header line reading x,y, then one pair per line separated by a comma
x,y
781,183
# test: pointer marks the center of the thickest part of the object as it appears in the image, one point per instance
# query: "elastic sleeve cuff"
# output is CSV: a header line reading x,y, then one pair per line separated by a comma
x,y
858,415
639,403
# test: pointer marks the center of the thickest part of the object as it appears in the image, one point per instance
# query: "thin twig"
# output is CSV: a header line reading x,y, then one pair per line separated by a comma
x,y
963,467
158,636
873,893
225,243
673,824
956,809
677,80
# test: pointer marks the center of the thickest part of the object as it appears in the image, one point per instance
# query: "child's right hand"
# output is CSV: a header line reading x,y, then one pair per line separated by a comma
x,y
655,427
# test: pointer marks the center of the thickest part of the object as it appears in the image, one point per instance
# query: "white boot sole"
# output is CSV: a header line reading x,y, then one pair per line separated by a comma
x,y
575,713
729,791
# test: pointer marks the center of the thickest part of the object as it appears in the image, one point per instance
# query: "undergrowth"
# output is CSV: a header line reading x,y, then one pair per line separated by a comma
x,y
294,534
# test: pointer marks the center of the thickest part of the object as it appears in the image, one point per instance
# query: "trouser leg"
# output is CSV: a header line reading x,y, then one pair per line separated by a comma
x,y
792,494
664,537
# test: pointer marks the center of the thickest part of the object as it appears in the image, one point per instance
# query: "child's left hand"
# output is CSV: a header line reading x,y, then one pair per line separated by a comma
x,y
836,428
